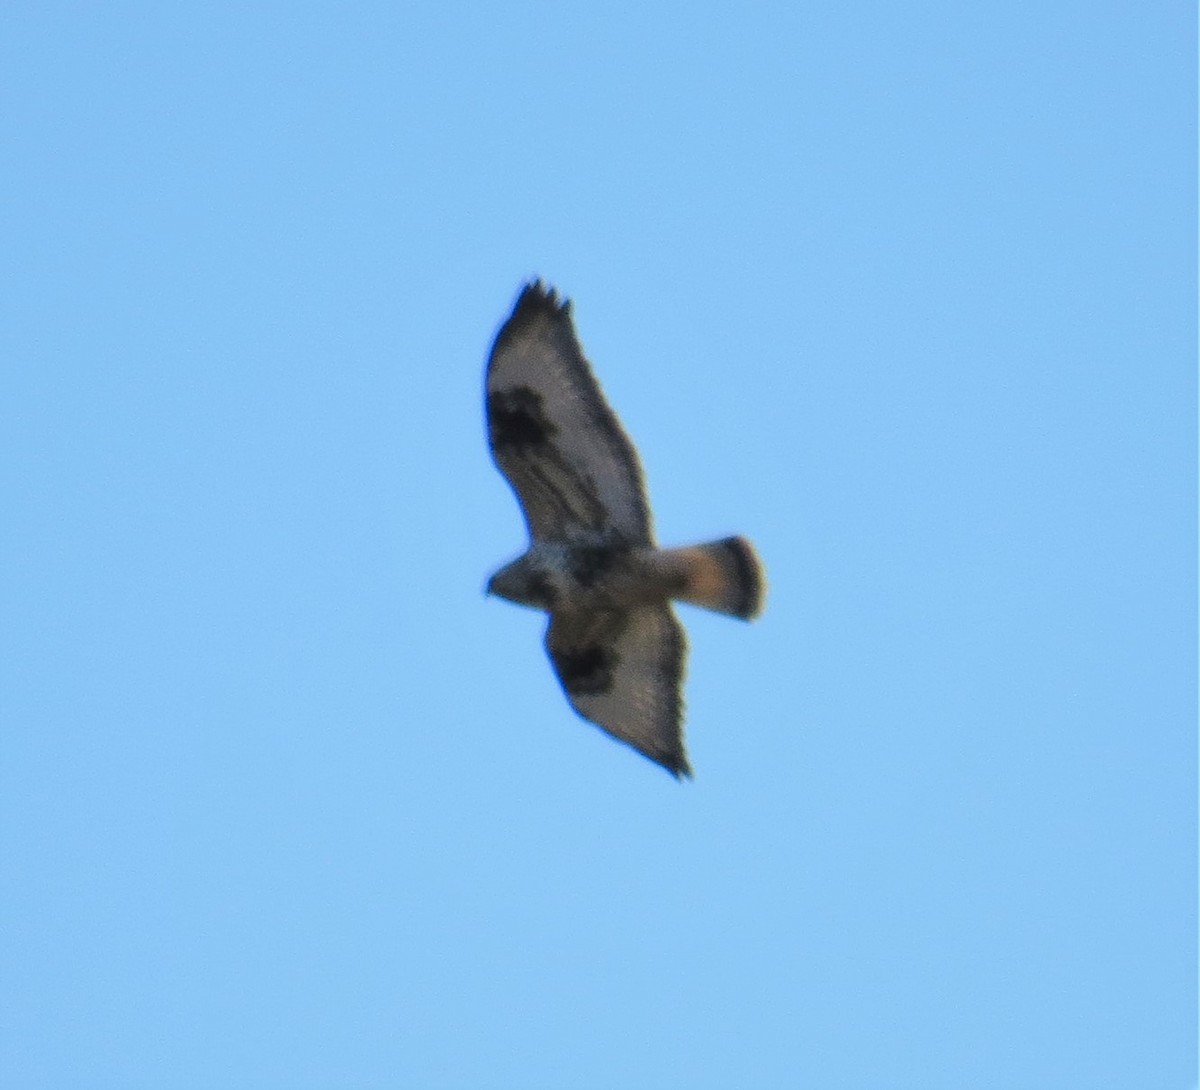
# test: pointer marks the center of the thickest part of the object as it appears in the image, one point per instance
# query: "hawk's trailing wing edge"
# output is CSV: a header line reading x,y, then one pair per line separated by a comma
x,y
552,433
623,671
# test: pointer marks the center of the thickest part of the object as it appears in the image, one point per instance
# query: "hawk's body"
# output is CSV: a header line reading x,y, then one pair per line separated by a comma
x,y
592,564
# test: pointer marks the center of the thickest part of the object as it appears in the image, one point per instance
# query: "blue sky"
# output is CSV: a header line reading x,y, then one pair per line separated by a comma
x,y
905,293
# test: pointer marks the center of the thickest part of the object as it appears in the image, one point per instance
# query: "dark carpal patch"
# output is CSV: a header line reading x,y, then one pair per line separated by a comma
x,y
516,418
586,670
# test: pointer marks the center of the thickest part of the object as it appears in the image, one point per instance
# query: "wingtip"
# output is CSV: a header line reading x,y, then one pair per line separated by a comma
x,y
677,766
536,297
535,303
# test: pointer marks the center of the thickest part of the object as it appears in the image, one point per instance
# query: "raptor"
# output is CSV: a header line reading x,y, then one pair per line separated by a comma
x,y
592,564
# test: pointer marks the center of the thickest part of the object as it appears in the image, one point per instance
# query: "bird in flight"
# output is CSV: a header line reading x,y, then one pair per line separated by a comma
x,y
613,638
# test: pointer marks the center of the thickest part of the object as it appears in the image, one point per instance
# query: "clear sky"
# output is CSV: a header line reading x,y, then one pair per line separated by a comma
x,y
906,293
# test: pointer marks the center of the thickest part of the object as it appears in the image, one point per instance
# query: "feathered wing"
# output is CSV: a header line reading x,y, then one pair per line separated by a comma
x,y
622,671
552,433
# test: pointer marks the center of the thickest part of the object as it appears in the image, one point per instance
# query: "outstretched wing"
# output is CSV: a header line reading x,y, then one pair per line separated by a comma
x,y
622,671
553,435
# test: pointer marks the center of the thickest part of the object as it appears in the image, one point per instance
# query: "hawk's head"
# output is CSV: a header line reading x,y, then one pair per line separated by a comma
x,y
525,582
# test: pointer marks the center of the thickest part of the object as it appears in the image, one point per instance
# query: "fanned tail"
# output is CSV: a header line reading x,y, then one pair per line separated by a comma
x,y
724,576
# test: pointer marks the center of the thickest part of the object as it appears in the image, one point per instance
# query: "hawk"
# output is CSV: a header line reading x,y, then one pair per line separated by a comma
x,y
592,564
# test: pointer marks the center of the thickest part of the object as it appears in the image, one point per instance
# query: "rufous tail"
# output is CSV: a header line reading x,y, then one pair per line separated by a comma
x,y
724,576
